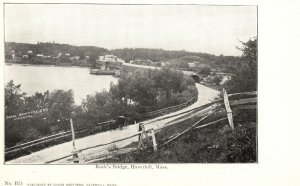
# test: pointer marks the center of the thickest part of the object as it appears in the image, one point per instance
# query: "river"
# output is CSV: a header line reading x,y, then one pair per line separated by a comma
x,y
40,78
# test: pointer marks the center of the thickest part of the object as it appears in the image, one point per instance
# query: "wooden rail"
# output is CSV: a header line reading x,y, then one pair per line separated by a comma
x,y
37,140
165,109
68,133
245,103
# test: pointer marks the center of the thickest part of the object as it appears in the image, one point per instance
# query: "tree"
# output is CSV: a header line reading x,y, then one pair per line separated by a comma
x,y
203,69
141,89
61,104
92,60
245,77
14,104
216,79
14,99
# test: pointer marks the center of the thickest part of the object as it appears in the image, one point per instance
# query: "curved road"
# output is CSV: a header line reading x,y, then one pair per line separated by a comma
x,y
205,95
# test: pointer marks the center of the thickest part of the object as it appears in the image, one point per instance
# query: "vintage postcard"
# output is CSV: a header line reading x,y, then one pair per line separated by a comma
x,y
84,85
128,87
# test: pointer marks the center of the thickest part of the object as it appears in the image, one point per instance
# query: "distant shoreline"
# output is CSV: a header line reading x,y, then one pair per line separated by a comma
x,y
52,65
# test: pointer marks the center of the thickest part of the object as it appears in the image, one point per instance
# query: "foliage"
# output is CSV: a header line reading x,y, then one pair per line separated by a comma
x,y
203,69
214,144
92,60
245,77
176,59
137,93
59,105
216,79
52,48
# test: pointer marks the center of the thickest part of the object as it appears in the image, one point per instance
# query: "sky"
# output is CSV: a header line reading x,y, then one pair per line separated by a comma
x,y
197,28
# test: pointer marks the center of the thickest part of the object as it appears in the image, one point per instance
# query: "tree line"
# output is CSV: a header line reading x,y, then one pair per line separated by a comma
x,y
177,58
53,49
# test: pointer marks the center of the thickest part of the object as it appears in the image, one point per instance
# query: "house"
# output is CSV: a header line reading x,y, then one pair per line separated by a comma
x,y
87,57
109,62
108,58
39,55
29,52
147,62
59,54
74,58
25,56
67,54
191,65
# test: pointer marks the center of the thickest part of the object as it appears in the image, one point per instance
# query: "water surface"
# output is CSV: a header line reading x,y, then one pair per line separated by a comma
x,y
34,78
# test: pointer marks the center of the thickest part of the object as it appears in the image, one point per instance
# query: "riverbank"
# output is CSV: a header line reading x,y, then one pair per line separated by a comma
x,y
50,65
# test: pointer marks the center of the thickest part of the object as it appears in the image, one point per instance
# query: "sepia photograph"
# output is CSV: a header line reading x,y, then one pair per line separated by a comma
x,y
130,83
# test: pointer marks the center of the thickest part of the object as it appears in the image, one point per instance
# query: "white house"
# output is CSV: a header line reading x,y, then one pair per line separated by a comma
x,y
108,58
191,65
39,55
75,58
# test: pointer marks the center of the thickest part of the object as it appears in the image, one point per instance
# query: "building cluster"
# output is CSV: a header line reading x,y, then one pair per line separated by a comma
x,y
109,62
148,62
101,62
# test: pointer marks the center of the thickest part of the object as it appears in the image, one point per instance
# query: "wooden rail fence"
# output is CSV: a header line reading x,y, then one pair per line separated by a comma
x,y
227,102
151,140
54,137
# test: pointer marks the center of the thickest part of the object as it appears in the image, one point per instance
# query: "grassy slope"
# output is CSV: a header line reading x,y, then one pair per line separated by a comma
x,y
217,143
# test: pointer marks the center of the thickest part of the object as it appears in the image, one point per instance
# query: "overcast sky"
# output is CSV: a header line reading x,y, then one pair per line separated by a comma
x,y
211,29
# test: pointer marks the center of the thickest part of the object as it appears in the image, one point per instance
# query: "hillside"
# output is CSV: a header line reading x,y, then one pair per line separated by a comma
x,y
155,55
53,49
213,144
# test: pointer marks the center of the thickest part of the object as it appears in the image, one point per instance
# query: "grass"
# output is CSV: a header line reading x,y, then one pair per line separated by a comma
x,y
217,143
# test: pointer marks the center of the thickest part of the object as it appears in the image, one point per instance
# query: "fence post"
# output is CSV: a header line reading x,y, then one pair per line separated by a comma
x,y
75,153
154,140
228,109
142,130
141,136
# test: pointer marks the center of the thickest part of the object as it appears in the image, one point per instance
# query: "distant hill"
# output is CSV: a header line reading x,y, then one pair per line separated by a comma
x,y
179,58
54,49
157,55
